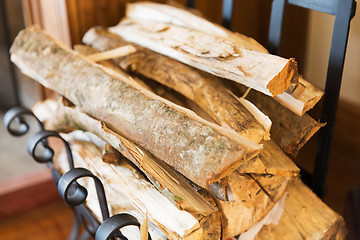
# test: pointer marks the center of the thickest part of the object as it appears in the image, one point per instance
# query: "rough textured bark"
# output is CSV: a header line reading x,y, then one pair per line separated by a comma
x,y
299,101
202,88
168,181
249,198
288,130
175,15
271,160
305,217
264,72
202,151
126,181
205,90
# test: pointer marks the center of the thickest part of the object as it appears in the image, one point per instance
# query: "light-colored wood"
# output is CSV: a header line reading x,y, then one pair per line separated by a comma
x,y
263,72
178,190
113,53
305,217
250,197
298,103
204,153
291,139
205,90
150,11
127,182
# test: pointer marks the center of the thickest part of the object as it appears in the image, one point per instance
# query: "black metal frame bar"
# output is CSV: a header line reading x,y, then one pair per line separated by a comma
x,y
69,189
344,11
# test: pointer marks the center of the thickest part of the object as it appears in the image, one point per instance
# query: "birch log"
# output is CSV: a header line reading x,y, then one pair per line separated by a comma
x,y
202,151
209,93
291,139
249,198
299,101
305,217
126,181
168,181
263,72
205,90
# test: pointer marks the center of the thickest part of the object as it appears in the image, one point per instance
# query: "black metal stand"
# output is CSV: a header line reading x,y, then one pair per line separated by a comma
x,y
69,189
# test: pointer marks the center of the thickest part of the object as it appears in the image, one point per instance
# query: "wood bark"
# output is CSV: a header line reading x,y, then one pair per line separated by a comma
x,y
249,199
305,217
263,72
202,151
181,193
205,90
260,204
299,101
123,180
291,139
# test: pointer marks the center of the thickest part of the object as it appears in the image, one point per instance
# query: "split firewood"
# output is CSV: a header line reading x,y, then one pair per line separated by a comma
x,y
113,53
263,72
250,197
229,195
300,101
202,151
291,139
205,90
168,181
125,179
150,11
301,98
305,217
153,86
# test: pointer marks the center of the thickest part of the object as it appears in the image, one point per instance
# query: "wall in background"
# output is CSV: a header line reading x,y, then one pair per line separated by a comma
x,y
317,54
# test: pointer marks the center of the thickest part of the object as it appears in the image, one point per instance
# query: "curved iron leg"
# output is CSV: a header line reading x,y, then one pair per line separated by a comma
x,y
75,229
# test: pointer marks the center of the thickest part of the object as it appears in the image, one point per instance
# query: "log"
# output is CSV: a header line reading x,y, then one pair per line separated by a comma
x,y
169,182
250,197
150,11
291,139
263,72
157,88
261,202
125,181
205,90
272,160
204,154
305,217
297,101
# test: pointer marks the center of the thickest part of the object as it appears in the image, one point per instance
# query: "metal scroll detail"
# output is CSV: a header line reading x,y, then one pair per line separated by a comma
x,y
70,190
16,115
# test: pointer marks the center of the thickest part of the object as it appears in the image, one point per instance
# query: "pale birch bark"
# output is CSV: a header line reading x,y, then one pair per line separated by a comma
x,y
299,102
168,181
124,180
205,90
202,151
264,72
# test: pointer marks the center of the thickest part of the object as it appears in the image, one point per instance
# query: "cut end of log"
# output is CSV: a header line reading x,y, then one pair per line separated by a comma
x,y
287,75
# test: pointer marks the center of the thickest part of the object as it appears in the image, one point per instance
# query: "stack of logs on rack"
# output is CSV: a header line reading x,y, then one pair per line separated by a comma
x,y
189,126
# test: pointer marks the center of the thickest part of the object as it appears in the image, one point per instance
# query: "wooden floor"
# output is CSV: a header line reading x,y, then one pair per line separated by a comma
x,y
53,221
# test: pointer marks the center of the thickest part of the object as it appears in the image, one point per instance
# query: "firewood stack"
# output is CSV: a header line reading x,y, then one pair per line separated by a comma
x,y
186,123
